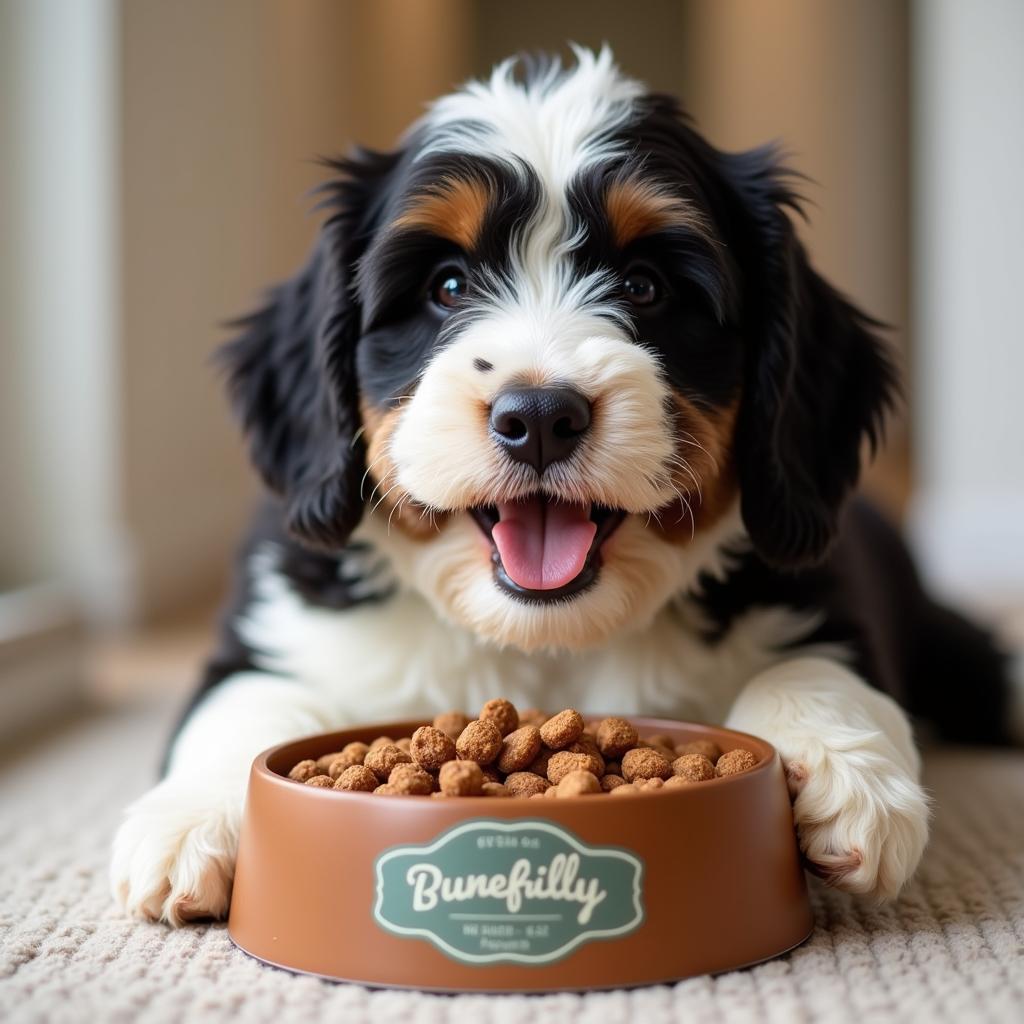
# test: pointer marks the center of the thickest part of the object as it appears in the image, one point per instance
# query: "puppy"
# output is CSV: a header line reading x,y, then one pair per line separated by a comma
x,y
558,410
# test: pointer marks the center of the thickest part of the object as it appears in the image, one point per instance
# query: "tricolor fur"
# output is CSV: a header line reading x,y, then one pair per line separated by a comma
x,y
674,543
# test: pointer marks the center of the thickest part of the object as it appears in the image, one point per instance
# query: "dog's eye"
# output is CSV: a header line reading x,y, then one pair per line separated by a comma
x,y
449,287
640,287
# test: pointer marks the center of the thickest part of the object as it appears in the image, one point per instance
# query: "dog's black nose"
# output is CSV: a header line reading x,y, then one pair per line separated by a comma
x,y
539,426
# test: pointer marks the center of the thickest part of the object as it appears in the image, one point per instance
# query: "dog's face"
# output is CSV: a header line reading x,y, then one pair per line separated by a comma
x,y
554,343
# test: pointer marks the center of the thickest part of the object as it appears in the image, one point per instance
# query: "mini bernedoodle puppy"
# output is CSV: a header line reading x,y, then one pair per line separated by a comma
x,y
558,410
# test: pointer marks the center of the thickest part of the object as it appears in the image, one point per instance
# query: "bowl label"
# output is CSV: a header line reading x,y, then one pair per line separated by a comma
x,y
524,892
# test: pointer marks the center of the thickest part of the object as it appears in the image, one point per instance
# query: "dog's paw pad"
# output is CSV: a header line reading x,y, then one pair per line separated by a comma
x,y
796,777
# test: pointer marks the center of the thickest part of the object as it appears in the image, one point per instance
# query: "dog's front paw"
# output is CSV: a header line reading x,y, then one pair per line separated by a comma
x,y
173,857
861,818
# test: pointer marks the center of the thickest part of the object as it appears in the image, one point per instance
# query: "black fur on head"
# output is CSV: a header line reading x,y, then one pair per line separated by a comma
x,y
291,372
818,379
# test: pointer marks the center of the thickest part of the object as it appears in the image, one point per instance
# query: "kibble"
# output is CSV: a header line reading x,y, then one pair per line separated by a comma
x,y
321,781
506,753
480,741
693,768
304,771
357,777
502,713
431,747
563,729
709,748
645,763
411,780
615,736
566,761
451,723
518,749
579,783
735,761
461,778
380,760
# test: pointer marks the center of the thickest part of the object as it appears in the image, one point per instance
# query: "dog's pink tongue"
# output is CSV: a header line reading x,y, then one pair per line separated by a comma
x,y
543,545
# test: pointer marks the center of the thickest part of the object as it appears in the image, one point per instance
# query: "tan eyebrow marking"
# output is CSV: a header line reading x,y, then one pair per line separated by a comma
x,y
454,208
636,208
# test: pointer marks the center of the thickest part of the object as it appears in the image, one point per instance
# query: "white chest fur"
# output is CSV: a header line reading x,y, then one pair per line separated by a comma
x,y
398,658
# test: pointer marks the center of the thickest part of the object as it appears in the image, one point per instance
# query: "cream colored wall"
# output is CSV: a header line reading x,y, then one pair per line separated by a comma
x,y
828,79
224,106
214,111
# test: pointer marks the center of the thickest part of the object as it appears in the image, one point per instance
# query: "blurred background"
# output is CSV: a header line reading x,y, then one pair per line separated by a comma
x,y
155,157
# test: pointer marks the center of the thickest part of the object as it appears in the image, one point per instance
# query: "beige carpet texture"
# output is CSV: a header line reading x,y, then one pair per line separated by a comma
x,y
950,949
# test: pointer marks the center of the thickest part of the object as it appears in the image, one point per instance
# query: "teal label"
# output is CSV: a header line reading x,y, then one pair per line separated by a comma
x,y
523,892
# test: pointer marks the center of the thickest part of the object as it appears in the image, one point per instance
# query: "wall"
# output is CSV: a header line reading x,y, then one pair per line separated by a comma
x,y
969,223
58,318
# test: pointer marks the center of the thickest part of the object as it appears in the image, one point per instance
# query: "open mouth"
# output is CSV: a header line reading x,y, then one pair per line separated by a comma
x,y
546,550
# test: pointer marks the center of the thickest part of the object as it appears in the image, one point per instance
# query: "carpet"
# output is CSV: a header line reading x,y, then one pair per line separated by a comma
x,y
950,949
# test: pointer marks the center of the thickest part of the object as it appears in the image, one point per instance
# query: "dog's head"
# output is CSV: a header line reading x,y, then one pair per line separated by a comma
x,y
564,349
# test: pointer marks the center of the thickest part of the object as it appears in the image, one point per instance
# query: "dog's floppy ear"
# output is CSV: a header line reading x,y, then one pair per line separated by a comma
x,y
291,370
818,380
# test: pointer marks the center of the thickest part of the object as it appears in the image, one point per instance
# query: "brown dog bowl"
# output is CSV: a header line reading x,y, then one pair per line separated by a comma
x,y
489,894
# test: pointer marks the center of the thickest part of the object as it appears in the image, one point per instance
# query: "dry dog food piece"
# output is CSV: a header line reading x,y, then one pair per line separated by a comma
x,y
461,778
357,777
627,789
304,771
320,781
615,736
525,784
578,783
431,747
411,779
507,754
709,748
451,723
518,749
677,782
350,754
661,741
324,763
565,761
645,763
380,760
479,741
735,761
502,714
539,765
563,729
693,768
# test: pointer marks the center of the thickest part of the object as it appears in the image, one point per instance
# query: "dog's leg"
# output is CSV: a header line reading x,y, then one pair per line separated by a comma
x,y
852,768
174,855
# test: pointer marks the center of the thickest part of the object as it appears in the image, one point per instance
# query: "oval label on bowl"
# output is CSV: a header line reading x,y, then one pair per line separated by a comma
x,y
522,892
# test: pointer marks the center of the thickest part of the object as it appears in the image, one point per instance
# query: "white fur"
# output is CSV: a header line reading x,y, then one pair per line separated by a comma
x,y
450,638
860,811
174,854
558,124
442,448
